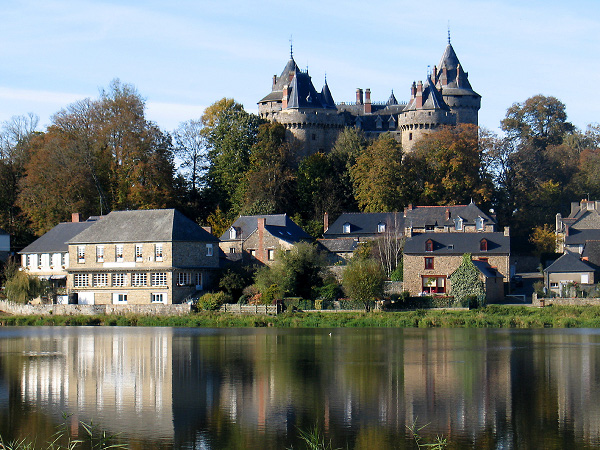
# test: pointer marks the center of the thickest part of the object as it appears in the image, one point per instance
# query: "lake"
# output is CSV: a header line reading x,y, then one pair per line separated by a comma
x,y
258,388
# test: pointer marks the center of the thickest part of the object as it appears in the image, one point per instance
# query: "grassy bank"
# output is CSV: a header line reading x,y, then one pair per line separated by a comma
x,y
490,316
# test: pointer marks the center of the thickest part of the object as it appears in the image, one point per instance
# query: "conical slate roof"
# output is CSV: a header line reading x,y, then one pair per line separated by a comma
x,y
326,97
302,92
392,100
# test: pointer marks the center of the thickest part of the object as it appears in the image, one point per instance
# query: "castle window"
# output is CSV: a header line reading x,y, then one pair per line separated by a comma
x,y
410,136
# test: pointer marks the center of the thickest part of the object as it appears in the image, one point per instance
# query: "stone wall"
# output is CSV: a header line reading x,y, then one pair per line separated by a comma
x,y
93,310
535,301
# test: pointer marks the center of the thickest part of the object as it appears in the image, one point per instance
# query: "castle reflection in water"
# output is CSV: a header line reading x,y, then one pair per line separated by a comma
x,y
185,386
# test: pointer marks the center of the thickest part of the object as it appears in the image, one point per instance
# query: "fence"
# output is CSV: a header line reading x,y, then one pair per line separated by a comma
x,y
542,301
251,309
93,310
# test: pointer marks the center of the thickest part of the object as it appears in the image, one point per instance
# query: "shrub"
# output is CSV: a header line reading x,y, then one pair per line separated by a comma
x,y
21,287
272,293
397,274
213,301
363,281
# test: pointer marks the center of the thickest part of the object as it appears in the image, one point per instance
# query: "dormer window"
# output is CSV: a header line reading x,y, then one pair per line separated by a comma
x,y
379,123
346,228
381,227
458,224
483,245
479,223
232,233
428,245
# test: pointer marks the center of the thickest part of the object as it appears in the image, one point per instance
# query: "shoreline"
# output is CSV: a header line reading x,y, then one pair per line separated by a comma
x,y
491,316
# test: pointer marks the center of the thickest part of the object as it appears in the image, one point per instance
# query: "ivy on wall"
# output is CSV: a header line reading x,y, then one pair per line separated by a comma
x,y
465,281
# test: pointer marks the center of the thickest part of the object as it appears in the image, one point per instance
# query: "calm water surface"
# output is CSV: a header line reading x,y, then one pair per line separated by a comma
x,y
254,388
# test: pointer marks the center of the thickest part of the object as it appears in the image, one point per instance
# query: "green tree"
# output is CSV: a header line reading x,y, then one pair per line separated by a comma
x,y
376,175
465,281
298,272
363,281
544,239
20,287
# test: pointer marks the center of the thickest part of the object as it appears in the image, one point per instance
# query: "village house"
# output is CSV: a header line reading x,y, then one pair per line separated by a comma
x,y
141,257
569,269
256,239
48,256
430,259
581,225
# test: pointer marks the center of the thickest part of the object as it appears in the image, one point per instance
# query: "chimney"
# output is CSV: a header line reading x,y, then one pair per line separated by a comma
x,y
76,217
444,77
207,229
458,75
447,213
585,258
359,96
284,97
410,207
409,232
419,95
566,229
274,80
506,231
413,90
435,73
325,222
368,101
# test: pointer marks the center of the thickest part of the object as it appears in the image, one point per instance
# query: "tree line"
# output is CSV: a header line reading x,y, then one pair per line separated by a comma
x,y
103,154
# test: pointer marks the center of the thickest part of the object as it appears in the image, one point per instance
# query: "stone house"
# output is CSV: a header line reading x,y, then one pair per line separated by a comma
x,y
430,259
568,269
448,219
581,225
141,257
48,256
256,239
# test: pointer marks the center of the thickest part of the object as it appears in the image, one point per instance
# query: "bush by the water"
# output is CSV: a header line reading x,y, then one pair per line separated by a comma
x,y
213,301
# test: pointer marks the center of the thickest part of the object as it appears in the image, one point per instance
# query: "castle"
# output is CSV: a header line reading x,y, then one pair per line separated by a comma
x,y
313,120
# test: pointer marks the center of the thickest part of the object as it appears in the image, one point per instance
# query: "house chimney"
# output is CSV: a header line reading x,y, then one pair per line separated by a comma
x,y
506,231
261,253
359,96
413,90
76,217
444,77
325,222
208,229
447,213
284,97
410,207
419,97
566,229
368,101
274,80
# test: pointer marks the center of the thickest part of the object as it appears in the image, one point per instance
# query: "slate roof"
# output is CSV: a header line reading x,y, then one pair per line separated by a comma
x,y
577,237
303,94
151,225
591,251
458,243
487,270
55,240
567,263
339,245
283,79
421,216
363,224
432,99
279,225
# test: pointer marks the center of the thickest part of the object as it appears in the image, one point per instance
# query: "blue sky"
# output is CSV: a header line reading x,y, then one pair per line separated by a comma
x,y
184,55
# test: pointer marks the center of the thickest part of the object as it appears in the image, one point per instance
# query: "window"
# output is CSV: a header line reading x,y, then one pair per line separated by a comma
x,y
119,279
198,280
428,263
139,255
410,136
346,228
81,253
119,252
80,280
253,253
428,227
428,245
553,285
434,285
63,259
585,278
27,260
100,253
209,249
450,246
138,279
232,233
270,254
483,245
158,252
119,297
159,279
158,297
100,279
184,279
232,250
458,224
479,223
381,227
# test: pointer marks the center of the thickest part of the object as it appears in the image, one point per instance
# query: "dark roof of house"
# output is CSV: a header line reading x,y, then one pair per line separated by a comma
x,y
421,216
458,243
278,225
364,224
568,262
580,236
151,225
339,245
591,251
487,270
55,240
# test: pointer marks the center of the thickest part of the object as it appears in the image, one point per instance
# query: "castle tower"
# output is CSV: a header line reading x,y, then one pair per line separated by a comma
x,y
425,111
451,79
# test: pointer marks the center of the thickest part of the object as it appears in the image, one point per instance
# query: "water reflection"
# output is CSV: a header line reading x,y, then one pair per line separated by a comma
x,y
191,388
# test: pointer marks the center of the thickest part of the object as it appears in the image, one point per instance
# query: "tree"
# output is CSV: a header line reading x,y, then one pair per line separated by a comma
x,y
20,287
544,239
297,272
388,247
363,281
376,175
190,148
465,281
